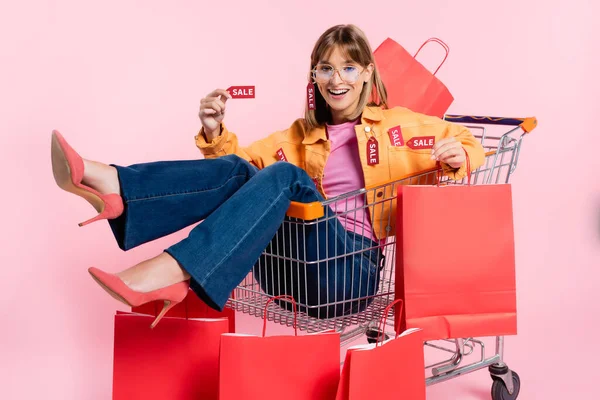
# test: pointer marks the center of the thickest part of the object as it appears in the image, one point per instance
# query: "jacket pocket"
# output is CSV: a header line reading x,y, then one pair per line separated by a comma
x,y
404,161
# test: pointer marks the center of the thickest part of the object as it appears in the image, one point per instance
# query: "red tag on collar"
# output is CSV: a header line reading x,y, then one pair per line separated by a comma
x,y
421,142
396,138
372,151
242,92
310,96
281,155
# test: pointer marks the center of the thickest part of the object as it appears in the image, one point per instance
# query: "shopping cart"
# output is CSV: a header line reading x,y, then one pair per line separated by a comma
x,y
502,155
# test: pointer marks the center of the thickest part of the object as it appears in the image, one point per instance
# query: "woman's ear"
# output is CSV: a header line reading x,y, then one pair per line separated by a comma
x,y
369,72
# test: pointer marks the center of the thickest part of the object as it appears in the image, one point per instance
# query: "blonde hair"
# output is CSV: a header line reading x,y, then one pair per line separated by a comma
x,y
353,42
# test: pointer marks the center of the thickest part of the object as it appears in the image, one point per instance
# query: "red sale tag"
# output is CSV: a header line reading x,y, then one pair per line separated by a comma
x,y
396,138
310,96
372,151
421,142
242,92
281,155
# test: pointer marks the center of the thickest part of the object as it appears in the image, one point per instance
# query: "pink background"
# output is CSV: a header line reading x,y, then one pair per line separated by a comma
x,y
123,79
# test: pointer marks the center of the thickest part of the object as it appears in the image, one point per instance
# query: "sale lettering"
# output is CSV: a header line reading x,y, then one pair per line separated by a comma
x,y
372,151
243,92
421,142
310,96
396,138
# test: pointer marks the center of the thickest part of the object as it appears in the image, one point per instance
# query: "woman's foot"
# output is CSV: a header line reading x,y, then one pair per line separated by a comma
x,y
102,177
153,274
96,182
159,278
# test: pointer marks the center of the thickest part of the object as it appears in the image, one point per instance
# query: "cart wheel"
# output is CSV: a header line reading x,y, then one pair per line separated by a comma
x,y
373,334
500,392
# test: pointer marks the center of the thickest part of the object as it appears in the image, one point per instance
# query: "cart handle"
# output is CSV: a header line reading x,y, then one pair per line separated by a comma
x,y
315,210
527,124
306,211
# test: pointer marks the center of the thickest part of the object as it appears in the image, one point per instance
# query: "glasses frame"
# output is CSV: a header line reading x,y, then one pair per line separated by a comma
x,y
338,70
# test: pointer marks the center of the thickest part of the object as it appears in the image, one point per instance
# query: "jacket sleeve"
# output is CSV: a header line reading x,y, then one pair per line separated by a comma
x,y
471,144
227,143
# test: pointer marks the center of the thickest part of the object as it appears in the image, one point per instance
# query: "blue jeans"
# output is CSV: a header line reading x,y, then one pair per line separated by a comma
x,y
241,209
323,266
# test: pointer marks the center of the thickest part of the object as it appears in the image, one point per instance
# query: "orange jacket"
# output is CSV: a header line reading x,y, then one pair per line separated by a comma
x,y
309,150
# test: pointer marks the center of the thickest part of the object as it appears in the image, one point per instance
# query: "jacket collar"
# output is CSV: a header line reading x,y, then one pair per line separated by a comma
x,y
374,114
314,135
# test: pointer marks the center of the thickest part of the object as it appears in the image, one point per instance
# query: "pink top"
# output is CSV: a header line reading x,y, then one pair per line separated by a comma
x,y
343,173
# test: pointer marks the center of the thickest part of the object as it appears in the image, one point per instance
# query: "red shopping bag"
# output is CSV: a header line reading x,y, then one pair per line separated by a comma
x,y
190,307
394,369
409,84
177,360
455,260
279,367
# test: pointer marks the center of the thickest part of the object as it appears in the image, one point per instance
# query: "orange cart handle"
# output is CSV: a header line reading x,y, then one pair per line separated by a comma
x,y
315,210
527,124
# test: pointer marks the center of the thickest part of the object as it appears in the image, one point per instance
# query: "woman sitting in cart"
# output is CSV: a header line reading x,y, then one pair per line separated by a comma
x,y
347,140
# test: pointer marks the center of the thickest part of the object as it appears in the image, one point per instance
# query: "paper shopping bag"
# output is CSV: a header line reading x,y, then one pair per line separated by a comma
x,y
408,83
393,369
177,360
455,262
279,367
191,307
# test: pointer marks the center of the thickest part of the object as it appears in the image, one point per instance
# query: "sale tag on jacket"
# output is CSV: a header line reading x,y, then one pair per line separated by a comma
x,y
421,142
396,138
281,155
310,96
372,151
242,92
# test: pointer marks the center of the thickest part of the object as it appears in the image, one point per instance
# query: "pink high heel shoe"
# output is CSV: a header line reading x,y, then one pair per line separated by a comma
x,y
67,167
170,295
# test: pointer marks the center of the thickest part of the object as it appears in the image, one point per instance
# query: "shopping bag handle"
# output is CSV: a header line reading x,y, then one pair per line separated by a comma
x,y
469,172
441,43
383,320
295,313
187,314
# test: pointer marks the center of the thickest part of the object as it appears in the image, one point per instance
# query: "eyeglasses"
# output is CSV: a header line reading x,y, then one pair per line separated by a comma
x,y
324,73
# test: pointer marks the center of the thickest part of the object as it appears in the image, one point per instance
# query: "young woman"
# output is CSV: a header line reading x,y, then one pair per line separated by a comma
x,y
242,193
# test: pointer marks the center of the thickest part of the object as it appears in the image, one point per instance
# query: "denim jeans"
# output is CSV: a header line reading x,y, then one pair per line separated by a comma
x,y
241,209
322,266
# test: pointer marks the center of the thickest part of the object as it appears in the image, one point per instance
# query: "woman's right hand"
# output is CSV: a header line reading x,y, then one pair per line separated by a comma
x,y
212,112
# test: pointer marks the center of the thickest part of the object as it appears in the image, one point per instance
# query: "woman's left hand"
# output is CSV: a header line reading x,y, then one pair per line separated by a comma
x,y
449,151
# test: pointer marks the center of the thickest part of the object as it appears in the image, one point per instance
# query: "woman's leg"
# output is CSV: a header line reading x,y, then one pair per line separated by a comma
x,y
163,197
220,251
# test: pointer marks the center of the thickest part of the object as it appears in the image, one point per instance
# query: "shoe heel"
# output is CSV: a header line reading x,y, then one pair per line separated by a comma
x,y
102,215
168,304
113,208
